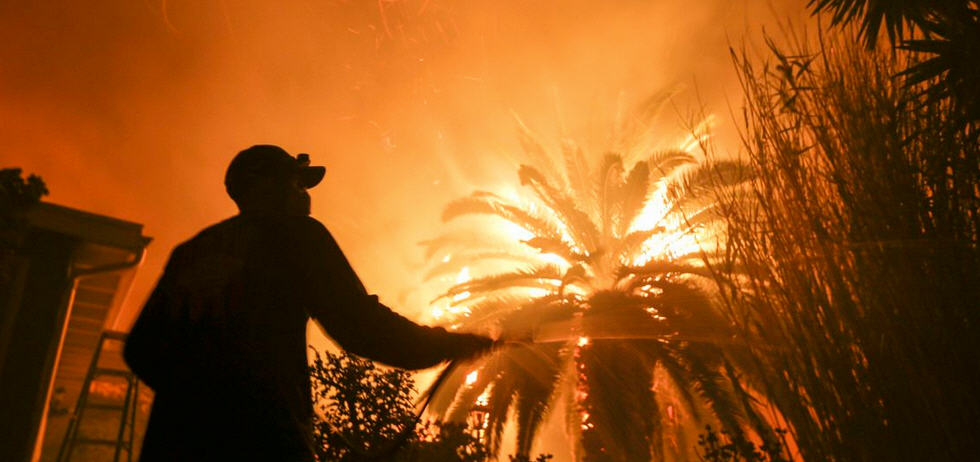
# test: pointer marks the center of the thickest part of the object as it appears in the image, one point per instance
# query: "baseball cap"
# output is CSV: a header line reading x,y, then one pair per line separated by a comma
x,y
269,161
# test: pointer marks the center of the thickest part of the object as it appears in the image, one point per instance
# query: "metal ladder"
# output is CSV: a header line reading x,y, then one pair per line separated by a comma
x,y
127,409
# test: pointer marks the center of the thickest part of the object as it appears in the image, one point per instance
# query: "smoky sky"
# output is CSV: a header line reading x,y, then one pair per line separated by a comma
x,y
133,108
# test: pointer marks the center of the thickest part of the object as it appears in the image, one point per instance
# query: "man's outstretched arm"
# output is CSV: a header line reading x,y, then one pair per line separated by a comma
x,y
362,325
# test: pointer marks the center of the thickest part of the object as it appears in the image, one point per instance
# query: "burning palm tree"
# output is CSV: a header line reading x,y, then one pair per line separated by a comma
x,y
605,271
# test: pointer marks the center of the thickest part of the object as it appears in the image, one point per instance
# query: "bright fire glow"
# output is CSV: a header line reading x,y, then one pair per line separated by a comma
x,y
516,232
653,212
567,218
484,398
538,292
464,275
462,278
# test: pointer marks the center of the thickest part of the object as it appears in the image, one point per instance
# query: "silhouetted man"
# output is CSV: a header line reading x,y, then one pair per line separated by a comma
x,y
222,338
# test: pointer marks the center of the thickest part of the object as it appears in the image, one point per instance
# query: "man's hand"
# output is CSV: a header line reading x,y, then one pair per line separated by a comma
x,y
471,346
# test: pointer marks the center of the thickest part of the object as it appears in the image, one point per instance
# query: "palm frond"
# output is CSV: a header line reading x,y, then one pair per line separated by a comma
x,y
651,107
533,148
550,310
489,311
635,194
609,181
658,268
501,397
712,384
577,172
463,398
952,50
577,222
689,310
454,241
447,394
632,243
663,164
680,377
490,204
555,246
895,16
706,179
536,394
535,276
620,403
462,260
762,427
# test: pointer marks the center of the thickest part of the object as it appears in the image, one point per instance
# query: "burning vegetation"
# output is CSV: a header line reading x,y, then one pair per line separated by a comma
x,y
600,273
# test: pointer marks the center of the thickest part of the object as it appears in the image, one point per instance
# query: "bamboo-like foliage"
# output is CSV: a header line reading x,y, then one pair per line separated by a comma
x,y
945,32
618,319
858,288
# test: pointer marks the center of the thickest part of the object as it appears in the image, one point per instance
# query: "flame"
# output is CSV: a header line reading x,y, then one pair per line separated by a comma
x,y
699,135
653,212
671,237
517,232
484,398
554,259
462,278
464,275
537,292
586,425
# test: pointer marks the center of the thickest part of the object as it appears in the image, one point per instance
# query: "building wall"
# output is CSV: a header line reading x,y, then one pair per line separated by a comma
x,y
32,345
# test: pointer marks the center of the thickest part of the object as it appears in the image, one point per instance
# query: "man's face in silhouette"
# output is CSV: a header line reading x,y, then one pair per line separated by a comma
x,y
297,201
277,195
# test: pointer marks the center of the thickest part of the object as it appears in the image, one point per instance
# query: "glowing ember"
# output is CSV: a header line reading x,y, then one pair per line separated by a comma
x,y
483,399
472,377
583,341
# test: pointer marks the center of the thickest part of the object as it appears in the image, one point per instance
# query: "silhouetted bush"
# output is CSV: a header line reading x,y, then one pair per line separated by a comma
x,y
17,195
723,447
370,408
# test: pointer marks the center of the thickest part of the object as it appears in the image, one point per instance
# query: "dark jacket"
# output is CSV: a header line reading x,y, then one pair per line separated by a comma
x,y
222,339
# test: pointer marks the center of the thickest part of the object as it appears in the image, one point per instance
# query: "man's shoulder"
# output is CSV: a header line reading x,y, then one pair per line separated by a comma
x,y
305,229
302,229
213,231
310,225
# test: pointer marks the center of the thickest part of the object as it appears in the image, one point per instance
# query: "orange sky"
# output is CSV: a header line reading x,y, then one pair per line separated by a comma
x,y
133,108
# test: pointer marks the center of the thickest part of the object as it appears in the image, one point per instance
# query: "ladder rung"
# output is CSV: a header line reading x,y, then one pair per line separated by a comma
x,y
114,335
103,441
116,372
127,415
109,407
